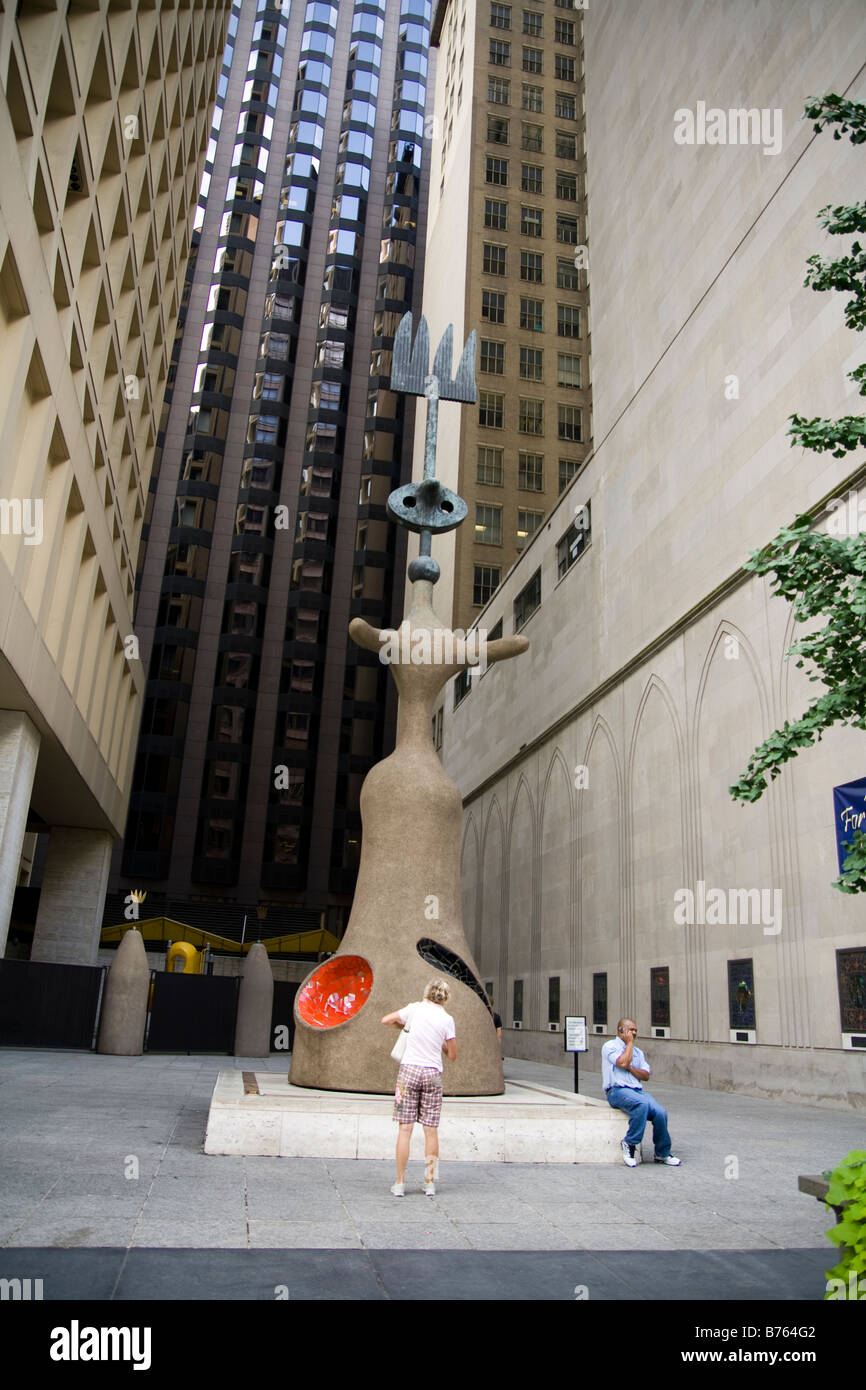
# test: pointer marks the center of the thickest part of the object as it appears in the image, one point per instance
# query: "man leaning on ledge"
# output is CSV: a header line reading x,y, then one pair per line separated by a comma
x,y
624,1069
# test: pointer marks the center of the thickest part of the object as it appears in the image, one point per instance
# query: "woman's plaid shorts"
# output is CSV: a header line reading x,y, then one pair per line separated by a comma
x,y
418,1096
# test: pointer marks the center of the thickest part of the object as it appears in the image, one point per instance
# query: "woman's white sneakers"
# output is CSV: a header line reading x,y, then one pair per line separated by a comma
x,y
398,1189
430,1189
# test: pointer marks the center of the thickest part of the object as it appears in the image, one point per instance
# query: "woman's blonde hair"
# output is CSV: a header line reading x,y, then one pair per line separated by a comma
x,y
437,991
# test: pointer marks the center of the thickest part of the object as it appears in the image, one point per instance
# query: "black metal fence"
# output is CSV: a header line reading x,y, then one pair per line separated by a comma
x,y
43,1004
192,1013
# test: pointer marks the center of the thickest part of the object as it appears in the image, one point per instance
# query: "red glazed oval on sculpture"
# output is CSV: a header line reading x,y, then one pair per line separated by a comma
x,y
335,992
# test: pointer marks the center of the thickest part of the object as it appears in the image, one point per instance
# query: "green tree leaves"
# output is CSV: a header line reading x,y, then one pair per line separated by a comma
x,y
823,575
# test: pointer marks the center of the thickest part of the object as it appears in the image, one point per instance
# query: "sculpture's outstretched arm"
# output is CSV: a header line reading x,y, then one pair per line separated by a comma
x,y
504,647
363,635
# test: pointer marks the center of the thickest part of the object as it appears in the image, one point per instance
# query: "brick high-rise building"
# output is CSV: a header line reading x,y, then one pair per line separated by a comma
x,y
281,443
506,255
103,125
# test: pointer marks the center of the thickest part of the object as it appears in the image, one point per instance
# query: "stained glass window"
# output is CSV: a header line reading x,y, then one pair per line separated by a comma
x,y
741,994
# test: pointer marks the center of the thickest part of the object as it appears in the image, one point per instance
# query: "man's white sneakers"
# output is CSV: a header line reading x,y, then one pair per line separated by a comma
x,y
671,1161
628,1157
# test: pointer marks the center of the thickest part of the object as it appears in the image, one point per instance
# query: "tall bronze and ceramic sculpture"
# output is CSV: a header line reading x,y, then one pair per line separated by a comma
x,y
406,920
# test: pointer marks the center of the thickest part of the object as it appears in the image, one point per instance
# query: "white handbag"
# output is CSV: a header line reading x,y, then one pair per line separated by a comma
x,y
400,1045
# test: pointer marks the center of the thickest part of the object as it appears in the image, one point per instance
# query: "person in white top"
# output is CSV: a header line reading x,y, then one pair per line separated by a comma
x,y
418,1096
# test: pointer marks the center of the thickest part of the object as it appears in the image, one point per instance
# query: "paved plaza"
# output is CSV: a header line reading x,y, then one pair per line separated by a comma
x,y
105,1192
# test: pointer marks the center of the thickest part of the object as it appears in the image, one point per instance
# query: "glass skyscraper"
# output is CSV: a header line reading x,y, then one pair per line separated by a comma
x,y
280,441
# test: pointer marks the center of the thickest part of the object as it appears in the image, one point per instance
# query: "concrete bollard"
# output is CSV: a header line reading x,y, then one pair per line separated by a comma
x,y
124,1009
255,1006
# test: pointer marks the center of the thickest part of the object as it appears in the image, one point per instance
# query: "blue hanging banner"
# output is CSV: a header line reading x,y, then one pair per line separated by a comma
x,y
849,814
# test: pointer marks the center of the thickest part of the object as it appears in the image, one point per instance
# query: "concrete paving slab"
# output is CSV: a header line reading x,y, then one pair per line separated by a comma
x,y
312,1235
71,1119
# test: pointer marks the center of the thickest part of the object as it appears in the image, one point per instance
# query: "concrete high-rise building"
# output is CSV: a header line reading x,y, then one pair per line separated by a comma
x,y
506,256
103,126
267,529
606,869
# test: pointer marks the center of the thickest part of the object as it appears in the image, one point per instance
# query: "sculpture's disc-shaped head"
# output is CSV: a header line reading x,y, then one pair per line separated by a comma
x,y
426,505
335,992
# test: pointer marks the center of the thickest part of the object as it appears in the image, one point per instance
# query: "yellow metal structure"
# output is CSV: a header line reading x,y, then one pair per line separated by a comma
x,y
183,959
165,929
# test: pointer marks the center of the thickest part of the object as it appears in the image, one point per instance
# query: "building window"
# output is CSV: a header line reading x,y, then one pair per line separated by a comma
x,y
531,264
563,31
493,306
570,423
530,472
495,215
531,364
462,687
499,90
565,107
492,357
493,262
488,524
566,145
527,524
489,465
531,315
530,416
497,131
567,369
599,987
500,17
437,728
496,170
532,60
532,24
566,229
533,98
563,68
568,321
485,584
500,53
660,996
566,186
566,276
527,601
531,223
851,981
567,470
531,178
553,999
741,994
531,137
517,1009
575,540
491,410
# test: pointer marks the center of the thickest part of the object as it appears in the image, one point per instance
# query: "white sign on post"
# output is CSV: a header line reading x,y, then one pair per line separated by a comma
x,y
575,1033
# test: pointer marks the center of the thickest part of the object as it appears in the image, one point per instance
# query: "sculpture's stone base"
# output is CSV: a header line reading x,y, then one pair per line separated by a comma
x,y
528,1124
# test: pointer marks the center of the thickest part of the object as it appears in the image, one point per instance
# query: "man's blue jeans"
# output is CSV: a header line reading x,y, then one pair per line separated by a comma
x,y
640,1106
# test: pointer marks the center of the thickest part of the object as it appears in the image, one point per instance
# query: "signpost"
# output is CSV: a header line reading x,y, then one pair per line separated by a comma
x,y
575,1041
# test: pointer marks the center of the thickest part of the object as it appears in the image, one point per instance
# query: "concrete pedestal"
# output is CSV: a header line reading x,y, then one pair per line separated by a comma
x,y
262,1113
73,896
19,750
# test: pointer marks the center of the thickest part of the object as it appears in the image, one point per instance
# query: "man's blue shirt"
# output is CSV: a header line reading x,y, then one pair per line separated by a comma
x,y
612,1075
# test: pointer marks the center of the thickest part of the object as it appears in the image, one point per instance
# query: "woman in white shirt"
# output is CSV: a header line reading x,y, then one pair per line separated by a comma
x,y
418,1096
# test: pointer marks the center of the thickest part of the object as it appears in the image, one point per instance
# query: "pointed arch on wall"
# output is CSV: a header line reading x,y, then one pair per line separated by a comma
x,y
523,789
494,824
471,841
601,729
557,765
